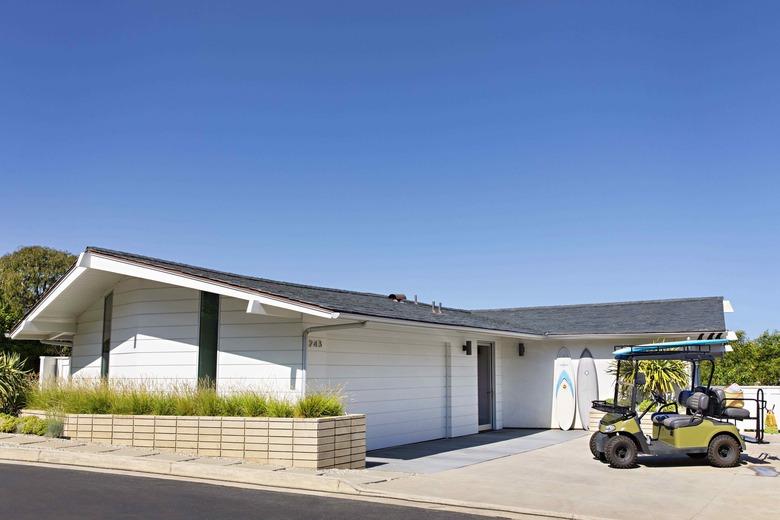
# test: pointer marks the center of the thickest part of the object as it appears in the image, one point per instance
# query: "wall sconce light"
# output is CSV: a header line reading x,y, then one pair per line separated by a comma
x,y
521,349
467,348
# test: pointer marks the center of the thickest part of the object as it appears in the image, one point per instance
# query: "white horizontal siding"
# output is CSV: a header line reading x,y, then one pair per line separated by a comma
x,y
257,351
85,356
464,416
396,375
154,333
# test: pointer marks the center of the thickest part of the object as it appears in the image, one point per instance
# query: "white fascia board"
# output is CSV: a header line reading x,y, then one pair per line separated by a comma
x,y
127,268
409,323
727,307
731,335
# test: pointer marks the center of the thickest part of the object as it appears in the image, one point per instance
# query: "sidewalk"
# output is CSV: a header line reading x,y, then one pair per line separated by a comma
x,y
560,481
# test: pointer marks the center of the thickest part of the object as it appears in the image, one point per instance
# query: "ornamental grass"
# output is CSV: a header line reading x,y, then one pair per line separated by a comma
x,y
142,398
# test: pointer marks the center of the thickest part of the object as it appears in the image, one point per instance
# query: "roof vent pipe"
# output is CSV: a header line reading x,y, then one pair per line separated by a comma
x,y
433,306
415,299
397,297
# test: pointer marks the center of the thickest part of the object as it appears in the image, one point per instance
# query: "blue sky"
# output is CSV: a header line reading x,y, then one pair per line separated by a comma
x,y
483,154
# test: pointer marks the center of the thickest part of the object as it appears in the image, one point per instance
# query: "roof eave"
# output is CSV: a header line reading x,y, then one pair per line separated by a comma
x,y
90,260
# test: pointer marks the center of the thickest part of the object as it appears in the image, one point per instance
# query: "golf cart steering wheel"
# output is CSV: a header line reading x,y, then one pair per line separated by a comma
x,y
658,397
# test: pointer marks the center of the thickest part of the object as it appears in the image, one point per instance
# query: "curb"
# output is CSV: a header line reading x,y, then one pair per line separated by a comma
x,y
259,477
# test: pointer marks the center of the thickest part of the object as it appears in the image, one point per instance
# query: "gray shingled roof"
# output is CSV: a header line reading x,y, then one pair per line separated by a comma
x,y
652,316
336,300
658,316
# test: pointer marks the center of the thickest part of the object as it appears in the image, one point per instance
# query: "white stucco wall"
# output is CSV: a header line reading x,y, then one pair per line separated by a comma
x,y
528,381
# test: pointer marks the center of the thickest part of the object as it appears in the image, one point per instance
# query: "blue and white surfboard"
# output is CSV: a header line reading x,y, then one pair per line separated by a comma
x,y
565,397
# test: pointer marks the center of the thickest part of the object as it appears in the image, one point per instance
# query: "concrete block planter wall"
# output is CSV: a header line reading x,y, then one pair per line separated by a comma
x,y
322,443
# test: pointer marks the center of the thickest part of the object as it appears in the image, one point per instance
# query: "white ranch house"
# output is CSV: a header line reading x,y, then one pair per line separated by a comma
x,y
418,372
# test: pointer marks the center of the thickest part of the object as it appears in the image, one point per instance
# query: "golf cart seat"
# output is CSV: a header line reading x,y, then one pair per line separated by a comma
x,y
718,408
682,400
697,403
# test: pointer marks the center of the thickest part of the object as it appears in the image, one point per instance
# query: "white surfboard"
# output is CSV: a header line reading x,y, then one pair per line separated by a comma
x,y
565,402
587,386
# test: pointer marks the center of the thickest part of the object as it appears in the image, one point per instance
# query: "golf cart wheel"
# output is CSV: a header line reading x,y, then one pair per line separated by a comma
x,y
724,451
621,452
596,453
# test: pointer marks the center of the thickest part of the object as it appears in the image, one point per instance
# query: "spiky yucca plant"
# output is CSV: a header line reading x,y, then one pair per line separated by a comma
x,y
13,382
664,376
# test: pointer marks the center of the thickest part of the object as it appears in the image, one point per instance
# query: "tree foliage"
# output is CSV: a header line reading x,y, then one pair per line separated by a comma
x,y
665,376
752,362
25,275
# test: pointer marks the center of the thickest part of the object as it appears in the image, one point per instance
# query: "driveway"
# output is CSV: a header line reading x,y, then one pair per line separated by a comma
x,y
564,478
446,454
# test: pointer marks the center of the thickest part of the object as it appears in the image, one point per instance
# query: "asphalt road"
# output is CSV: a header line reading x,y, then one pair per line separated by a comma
x,y
33,492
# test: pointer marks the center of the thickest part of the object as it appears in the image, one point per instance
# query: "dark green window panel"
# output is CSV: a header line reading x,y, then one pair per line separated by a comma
x,y
207,338
108,307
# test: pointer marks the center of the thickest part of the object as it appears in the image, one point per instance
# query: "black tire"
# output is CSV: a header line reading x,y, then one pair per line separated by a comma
x,y
593,449
697,455
724,451
599,455
621,452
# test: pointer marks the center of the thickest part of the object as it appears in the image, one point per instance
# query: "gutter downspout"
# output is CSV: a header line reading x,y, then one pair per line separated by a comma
x,y
305,344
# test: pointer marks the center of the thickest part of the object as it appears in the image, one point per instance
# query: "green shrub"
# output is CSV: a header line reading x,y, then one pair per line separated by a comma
x,y
319,405
126,398
280,408
32,425
8,423
13,382
55,427
245,404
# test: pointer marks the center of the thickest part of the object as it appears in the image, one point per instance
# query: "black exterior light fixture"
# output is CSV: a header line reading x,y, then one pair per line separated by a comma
x,y
467,348
521,349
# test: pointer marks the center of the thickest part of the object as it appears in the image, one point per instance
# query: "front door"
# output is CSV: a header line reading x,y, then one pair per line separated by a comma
x,y
485,385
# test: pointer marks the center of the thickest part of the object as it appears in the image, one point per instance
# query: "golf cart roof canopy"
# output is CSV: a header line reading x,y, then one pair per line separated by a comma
x,y
684,350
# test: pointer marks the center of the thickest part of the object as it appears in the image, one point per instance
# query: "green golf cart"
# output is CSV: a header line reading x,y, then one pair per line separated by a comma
x,y
698,424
